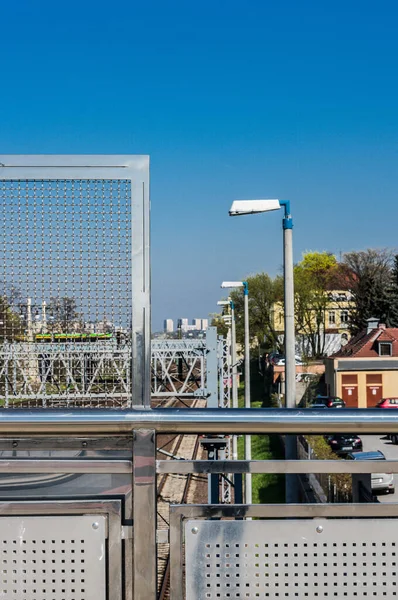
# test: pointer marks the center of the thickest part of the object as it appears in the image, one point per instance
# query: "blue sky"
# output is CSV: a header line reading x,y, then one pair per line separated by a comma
x,y
232,100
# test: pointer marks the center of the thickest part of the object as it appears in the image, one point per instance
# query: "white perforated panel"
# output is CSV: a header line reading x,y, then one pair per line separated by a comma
x,y
325,559
53,558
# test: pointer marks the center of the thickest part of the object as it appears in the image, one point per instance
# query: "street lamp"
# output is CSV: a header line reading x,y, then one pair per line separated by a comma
x,y
248,207
248,449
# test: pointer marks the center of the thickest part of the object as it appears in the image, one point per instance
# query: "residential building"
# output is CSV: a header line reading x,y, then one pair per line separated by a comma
x,y
197,324
168,326
331,334
366,368
182,324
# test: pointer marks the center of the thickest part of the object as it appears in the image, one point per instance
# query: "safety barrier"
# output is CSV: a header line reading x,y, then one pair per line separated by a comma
x,y
78,496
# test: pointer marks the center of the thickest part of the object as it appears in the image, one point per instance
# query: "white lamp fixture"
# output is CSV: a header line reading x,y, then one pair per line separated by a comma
x,y
232,284
223,302
251,207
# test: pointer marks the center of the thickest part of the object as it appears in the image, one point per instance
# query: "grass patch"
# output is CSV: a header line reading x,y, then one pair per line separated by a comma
x,y
268,488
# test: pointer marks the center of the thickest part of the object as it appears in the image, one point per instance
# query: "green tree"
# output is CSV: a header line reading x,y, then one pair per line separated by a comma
x,y
313,277
11,326
218,321
263,293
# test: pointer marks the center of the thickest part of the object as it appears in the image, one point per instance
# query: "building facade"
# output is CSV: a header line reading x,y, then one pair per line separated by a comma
x,y
168,326
325,328
366,369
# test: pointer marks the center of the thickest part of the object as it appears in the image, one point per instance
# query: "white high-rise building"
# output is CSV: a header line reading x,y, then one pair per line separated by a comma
x,y
205,324
182,324
197,324
168,326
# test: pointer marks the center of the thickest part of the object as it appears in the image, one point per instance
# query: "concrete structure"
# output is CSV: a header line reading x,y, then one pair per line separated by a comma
x,y
366,369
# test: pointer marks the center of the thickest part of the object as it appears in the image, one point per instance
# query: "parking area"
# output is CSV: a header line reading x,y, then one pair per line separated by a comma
x,y
390,451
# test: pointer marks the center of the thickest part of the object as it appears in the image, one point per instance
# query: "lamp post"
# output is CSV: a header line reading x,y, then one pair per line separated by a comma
x,y
248,445
247,207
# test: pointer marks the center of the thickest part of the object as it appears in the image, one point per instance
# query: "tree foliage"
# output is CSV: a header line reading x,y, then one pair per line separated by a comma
x,y
392,293
263,293
367,275
62,314
218,321
312,279
11,326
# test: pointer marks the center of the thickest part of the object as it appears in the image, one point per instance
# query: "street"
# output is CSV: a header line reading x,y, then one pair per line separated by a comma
x,y
390,451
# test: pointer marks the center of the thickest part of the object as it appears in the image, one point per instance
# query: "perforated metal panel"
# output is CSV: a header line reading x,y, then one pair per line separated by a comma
x,y
325,559
74,237
53,558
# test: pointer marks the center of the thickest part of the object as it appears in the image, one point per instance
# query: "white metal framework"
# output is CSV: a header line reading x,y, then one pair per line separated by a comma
x,y
99,373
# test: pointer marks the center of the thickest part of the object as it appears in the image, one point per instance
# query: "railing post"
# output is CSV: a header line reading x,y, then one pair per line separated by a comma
x,y
212,368
144,514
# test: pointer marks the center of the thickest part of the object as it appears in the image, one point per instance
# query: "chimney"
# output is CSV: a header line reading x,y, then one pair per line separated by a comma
x,y
373,323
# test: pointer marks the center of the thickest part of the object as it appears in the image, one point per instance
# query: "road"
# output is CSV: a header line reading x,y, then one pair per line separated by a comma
x,y
390,451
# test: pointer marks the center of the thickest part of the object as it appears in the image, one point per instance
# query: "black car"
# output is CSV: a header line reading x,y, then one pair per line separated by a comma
x,y
328,401
344,443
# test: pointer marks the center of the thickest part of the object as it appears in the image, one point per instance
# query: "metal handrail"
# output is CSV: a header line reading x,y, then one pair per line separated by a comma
x,y
197,421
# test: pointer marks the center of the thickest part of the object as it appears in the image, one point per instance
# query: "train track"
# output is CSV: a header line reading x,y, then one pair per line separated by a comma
x,y
176,489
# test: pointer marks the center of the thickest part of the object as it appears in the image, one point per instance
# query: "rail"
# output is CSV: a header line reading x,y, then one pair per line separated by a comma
x,y
175,420
111,454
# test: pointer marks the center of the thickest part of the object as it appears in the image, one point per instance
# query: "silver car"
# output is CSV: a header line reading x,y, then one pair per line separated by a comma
x,y
380,482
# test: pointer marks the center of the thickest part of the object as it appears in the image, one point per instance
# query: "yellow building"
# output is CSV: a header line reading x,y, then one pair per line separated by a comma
x,y
366,369
335,315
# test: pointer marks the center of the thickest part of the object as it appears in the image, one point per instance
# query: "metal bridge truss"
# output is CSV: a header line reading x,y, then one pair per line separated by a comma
x,y
61,374
100,373
178,368
225,383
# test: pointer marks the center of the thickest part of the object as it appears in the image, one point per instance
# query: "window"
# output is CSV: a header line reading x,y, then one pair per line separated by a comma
x,y
344,316
332,317
385,349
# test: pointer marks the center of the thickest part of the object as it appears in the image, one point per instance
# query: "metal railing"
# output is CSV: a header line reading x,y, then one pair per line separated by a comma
x,y
122,444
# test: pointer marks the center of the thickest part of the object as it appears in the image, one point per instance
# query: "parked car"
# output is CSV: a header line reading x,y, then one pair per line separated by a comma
x,y
328,401
282,361
380,482
344,443
387,403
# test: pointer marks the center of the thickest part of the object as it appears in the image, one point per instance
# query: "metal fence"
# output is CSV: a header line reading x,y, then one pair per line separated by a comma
x,y
78,497
74,273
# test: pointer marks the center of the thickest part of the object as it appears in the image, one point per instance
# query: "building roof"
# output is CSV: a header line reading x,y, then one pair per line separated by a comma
x,y
366,343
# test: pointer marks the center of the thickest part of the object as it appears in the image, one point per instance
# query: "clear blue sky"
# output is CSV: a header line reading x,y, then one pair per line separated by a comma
x,y
290,99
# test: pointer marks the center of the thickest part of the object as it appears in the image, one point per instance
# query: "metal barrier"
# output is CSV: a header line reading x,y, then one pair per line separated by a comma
x,y
74,236
51,374
86,494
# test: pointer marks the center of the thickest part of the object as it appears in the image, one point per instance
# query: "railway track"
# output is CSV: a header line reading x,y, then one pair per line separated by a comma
x,y
176,489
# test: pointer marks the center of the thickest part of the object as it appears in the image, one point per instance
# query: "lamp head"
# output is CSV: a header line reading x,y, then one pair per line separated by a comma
x,y
232,284
251,207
